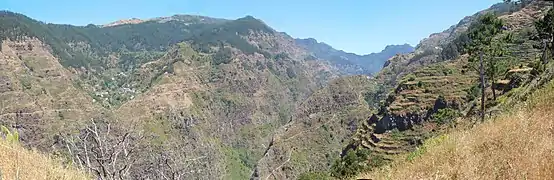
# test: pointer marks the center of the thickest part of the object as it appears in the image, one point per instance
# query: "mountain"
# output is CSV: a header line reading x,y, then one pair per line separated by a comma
x,y
182,93
436,89
417,96
194,97
350,63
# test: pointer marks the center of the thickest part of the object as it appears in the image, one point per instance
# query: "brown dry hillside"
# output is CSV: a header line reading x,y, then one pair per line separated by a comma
x,y
205,106
516,145
20,163
37,94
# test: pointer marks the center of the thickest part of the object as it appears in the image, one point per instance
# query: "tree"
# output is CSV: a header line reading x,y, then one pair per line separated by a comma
x,y
484,47
545,27
494,68
100,149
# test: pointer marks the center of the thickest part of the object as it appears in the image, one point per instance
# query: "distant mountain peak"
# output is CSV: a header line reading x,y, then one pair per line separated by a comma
x,y
124,21
402,48
351,63
186,18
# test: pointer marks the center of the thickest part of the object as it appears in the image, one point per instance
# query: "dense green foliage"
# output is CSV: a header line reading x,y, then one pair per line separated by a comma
x,y
354,162
460,44
545,28
87,45
444,116
484,45
374,97
222,57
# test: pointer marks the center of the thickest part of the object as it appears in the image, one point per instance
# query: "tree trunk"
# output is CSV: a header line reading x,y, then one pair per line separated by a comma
x,y
492,88
482,77
544,56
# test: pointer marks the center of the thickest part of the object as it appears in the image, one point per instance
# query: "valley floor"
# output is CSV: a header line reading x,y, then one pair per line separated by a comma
x,y
516,145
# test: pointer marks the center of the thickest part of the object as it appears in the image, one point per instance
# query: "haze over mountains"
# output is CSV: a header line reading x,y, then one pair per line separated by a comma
x,y
352,63
347,63
194,97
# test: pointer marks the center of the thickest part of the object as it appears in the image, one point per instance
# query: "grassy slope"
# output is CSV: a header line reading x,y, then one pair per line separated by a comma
x,y
20,163
516,145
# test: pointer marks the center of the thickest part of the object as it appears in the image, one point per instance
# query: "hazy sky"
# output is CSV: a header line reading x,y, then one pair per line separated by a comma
x,y
359,26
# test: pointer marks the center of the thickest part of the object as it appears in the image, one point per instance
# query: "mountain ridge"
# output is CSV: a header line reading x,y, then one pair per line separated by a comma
x,y
352,63
234,99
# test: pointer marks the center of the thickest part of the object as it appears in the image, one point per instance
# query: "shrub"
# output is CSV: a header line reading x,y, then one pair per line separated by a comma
x,y
444,116
396,134
223,56
410,77
291,73
446,72
354,162
473,92
281,56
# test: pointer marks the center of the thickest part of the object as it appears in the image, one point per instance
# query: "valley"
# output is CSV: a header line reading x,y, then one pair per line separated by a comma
x,y
195,97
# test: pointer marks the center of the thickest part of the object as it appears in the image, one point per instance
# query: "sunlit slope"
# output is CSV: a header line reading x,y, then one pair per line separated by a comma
x,y
516,145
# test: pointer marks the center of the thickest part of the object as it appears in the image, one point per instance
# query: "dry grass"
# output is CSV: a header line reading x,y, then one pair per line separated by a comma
x,y
518,145
17,162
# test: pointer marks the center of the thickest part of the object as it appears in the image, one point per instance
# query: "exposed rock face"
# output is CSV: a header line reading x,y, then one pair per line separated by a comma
x,y
124,21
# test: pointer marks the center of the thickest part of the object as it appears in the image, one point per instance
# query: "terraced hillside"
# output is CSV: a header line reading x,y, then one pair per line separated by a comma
x,y
516,144
429,91
192,97
207,101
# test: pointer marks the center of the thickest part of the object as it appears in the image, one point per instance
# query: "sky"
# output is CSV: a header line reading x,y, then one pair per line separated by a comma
x,y
358,26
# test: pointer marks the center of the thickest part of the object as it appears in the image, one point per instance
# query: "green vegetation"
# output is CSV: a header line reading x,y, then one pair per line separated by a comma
x,y
354,162
10,136
545,28
86,46
432,142
236,166
396,134
315,176
373,98
223,56
444,116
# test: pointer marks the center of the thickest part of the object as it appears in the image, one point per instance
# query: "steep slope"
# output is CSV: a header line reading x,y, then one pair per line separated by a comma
x,y
412,100
430,96
210,98
350,63
20,163
320,128
426,92
436,48
515,145
37,94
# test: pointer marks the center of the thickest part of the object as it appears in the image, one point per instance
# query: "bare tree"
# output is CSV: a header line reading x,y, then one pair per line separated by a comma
x,y
99,150
169,168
